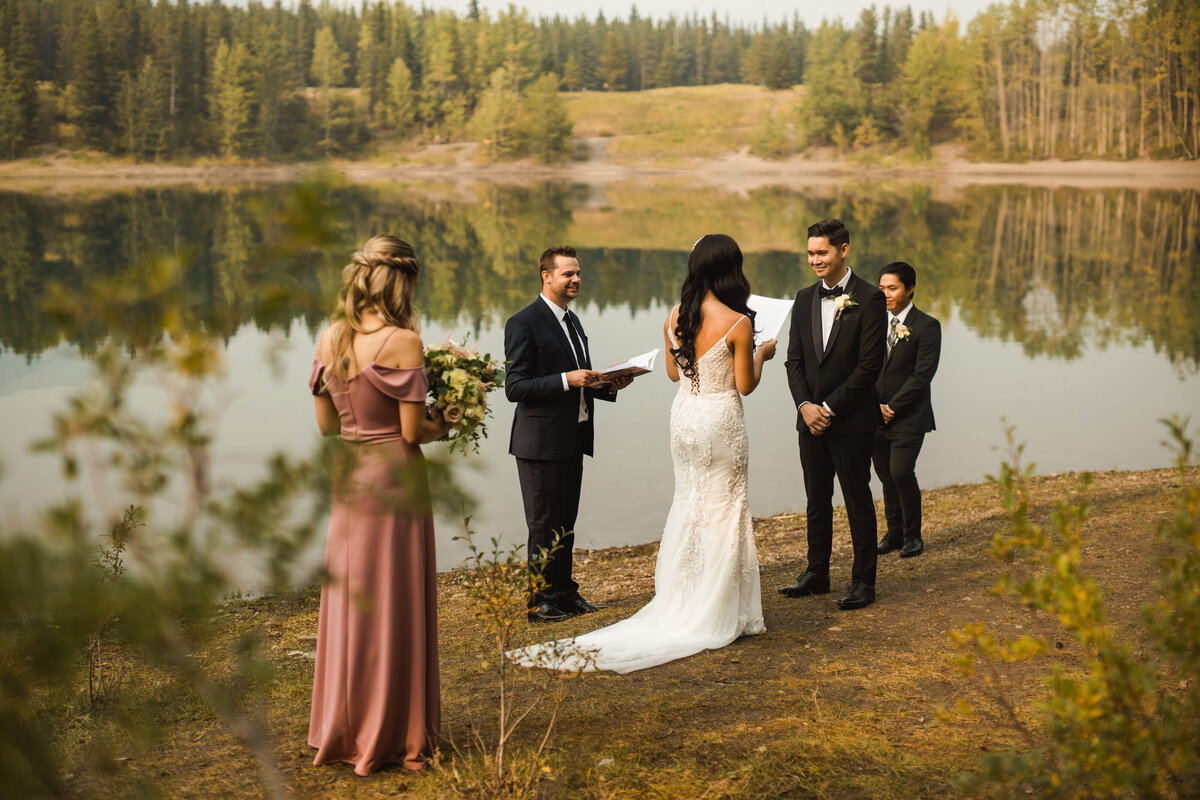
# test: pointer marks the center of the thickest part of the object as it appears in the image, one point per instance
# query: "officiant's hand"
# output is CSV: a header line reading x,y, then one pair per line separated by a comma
x,y
617,384
581,378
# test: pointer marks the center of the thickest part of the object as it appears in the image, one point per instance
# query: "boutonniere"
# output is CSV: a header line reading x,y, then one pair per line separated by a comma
x,y
842,302
902,333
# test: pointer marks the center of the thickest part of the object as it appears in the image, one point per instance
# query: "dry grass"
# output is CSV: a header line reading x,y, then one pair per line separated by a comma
x,y
671,126
826,704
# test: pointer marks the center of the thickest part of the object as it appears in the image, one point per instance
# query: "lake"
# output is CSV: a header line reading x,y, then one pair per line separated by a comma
x,y
1074,314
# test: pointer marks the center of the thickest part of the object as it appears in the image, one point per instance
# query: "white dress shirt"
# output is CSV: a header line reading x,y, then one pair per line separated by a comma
x,y
901,317
828,312
559,313
828,315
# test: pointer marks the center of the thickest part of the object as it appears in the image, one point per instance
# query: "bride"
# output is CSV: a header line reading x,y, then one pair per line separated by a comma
x,y
706,587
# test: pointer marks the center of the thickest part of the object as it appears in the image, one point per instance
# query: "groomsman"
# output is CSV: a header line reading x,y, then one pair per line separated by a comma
x,y
550,378
834,356
914,345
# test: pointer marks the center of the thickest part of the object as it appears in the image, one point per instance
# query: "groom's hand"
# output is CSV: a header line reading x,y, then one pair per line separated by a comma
x,y
815,417
888,414
581,378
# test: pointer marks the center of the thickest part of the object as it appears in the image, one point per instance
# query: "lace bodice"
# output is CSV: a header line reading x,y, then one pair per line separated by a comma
x,y
714,371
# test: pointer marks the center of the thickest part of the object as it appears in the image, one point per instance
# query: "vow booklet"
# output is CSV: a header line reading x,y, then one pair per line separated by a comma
x,y
638,365
769,316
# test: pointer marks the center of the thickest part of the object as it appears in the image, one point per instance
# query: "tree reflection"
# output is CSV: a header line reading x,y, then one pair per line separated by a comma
x,y
1052,269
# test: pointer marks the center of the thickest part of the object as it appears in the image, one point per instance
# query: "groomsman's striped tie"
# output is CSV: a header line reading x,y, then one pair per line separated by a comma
x,y
891,337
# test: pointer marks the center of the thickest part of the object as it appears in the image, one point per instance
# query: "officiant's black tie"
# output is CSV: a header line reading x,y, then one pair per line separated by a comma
x,y
580,358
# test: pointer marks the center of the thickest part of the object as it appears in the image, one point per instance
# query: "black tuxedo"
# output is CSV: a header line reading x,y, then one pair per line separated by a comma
x,y
547,439
842,376
903,386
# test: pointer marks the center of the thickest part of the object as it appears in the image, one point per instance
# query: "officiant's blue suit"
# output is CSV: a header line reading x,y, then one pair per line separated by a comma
x,y
548,440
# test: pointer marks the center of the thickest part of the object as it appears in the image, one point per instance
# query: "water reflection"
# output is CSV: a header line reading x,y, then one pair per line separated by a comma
x,y
1051,269
1061,308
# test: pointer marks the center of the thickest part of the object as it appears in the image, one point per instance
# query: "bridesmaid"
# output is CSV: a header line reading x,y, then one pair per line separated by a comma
x,y
376,694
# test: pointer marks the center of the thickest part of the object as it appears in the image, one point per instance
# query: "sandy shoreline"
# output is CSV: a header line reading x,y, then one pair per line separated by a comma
x,y
737,172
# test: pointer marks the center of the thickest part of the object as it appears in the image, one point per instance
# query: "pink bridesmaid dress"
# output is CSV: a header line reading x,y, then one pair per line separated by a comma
x,y
376,694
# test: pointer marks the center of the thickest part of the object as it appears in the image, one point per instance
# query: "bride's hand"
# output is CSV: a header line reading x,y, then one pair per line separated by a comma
x,y
766,350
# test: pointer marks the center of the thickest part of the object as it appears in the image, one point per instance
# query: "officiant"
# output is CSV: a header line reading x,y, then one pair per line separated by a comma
x,y
550,378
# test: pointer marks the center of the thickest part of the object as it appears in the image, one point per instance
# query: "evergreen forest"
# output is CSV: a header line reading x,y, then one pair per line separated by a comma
x,y
182,79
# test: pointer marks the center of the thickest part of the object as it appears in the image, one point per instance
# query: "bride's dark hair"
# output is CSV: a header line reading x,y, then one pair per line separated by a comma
x,y
715,265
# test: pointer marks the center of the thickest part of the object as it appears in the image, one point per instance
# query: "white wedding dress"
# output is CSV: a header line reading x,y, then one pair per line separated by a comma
x,y
706,585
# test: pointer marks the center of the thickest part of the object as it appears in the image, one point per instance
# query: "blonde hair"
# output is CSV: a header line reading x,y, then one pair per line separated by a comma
x,y
381,277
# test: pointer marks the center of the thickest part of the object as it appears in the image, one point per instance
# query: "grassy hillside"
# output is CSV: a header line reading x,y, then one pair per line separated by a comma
x,y
678,122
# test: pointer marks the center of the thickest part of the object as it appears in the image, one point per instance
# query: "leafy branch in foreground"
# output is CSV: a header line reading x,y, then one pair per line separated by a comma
x,y
499,583
135,446
1127,727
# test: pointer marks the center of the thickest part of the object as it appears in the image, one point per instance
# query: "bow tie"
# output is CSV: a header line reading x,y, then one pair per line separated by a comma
x,y
834,292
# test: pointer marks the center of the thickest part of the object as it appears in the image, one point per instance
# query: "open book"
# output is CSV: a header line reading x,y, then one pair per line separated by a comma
x,y
638,365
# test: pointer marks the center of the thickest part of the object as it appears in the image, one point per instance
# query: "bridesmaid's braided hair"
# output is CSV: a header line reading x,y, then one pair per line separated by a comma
x,y
381,277
715,265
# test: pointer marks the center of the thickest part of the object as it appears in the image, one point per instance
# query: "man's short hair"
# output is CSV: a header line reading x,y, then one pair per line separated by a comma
x,y
832,229
546,262
903,271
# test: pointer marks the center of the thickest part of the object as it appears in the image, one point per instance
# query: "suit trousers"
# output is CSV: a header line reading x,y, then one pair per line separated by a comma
x,y
849,458
895,458
550,493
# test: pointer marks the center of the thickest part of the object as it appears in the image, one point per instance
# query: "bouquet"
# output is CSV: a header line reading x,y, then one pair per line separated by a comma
x,y
459,381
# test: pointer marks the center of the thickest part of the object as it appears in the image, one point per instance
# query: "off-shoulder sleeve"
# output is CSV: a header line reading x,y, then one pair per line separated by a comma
x,y
409,384
316,383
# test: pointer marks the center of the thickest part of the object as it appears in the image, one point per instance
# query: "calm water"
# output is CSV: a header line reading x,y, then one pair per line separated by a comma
x,y
1074,314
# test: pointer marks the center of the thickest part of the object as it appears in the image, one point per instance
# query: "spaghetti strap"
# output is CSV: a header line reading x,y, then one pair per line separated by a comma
x,y
671,316
385,341
734,325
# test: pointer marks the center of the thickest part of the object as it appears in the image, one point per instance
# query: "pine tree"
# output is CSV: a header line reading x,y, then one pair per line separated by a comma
x,y
140,111
329,66
665,74
87,98
494,117
545,126
572,74
12,116
229,100
400,106
614,62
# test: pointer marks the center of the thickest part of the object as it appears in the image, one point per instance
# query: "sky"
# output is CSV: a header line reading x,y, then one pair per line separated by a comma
x,y
744,11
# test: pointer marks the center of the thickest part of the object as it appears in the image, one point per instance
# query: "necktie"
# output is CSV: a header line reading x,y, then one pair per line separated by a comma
x,y
891,337
824,293
580,359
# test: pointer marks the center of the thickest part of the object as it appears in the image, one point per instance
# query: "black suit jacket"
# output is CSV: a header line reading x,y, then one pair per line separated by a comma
x,y
903,383
546,423
842,374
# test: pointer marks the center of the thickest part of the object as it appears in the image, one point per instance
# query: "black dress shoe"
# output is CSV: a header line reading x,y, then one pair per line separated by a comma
x,y
580,606
546,612
887,545
809,583
912,547
859,595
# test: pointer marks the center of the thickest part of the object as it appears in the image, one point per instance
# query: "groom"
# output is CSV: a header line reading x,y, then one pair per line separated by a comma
x,y
550,378
834,356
